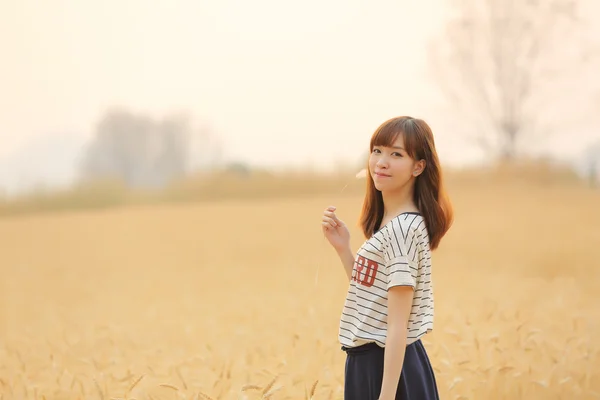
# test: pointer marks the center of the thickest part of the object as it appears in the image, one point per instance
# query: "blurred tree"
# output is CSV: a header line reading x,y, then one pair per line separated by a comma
x,y
592,164
504,64
137,149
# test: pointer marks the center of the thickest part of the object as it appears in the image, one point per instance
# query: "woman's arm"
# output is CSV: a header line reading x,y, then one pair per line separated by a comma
x,y
399,304
337,233
347,259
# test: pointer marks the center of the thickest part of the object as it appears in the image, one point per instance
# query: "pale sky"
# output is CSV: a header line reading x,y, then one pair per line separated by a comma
x,y
279,82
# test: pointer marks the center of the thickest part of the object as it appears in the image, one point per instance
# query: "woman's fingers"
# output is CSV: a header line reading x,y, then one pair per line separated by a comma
x,y
329,221
332,215
337,220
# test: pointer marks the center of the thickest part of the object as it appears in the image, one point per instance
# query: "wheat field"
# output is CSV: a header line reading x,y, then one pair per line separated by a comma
x,y
241,299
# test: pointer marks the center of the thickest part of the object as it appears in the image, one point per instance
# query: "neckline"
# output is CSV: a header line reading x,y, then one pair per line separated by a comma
x,y
392,220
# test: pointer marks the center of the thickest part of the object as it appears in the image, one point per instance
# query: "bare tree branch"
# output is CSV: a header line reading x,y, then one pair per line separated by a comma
x,y
497,59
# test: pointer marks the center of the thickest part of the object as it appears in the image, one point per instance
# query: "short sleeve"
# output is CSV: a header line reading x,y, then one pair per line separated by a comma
x,y
400,268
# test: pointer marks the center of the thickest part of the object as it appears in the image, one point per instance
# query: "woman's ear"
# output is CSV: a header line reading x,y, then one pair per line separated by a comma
x,y
419,168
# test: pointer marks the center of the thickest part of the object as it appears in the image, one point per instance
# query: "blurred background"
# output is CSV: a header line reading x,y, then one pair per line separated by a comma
x,y
159,128
147,94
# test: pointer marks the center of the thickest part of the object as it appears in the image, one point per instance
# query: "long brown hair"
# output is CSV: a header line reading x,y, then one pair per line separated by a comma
x,y
430,196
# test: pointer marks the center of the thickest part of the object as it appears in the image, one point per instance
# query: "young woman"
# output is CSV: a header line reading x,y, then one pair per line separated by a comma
x,y
389,304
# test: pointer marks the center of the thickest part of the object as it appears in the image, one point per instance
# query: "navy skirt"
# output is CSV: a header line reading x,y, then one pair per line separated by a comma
x,y
364,373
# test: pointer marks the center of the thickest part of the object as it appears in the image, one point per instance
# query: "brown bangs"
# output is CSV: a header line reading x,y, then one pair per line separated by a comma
x,y
389,131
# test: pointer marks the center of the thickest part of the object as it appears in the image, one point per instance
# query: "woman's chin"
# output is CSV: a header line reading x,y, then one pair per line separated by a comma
x,y
383,188
380,187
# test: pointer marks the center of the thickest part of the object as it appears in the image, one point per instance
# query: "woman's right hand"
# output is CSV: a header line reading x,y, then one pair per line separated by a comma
x,y
335,230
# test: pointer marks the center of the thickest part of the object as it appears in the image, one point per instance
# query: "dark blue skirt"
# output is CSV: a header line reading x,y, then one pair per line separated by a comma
x,y
364,374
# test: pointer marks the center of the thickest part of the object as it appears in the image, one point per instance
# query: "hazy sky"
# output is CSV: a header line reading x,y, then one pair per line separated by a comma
x,y
278,81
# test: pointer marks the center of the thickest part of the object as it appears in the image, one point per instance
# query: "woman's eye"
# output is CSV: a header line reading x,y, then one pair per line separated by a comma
x,y
376,151
397,154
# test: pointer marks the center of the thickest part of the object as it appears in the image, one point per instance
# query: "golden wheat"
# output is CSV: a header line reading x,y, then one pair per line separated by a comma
x,y
220,301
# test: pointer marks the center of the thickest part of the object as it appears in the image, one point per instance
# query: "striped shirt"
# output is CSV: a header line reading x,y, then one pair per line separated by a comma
x,y
397,254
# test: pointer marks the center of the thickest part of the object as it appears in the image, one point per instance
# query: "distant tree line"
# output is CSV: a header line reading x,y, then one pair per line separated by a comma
x,y
140,151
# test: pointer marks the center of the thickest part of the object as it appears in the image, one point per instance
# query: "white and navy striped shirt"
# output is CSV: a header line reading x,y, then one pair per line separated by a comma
x,y
397,254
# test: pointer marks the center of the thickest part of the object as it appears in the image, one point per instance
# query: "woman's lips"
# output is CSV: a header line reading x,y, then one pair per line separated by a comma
x,y
382,175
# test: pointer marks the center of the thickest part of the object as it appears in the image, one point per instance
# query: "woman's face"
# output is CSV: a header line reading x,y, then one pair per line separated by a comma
x,y
391,167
